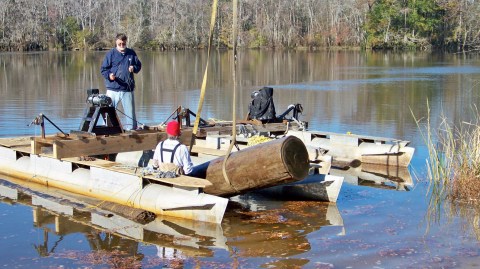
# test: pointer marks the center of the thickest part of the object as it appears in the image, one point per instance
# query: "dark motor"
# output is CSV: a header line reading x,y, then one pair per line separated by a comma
x,y
94,98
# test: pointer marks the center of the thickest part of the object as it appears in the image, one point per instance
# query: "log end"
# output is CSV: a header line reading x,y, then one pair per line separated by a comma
x,y
295,157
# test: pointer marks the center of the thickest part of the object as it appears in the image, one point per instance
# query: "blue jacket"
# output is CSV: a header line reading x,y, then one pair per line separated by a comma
x,y
117,63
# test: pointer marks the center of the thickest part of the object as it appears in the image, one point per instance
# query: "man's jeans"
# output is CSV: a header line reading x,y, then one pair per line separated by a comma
x,y
128,104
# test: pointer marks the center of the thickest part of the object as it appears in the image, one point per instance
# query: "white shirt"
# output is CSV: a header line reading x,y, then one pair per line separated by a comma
x,y
181,158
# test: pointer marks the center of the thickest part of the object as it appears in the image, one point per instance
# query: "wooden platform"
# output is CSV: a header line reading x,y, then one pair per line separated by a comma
x,y
60,147
67,147
12,142
49,161
184,181
97,146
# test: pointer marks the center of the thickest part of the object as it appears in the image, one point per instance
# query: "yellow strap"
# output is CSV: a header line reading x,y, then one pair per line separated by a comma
x,y
234,121
204,83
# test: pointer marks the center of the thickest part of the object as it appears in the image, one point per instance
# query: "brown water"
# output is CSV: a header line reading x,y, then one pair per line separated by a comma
x,y
377,223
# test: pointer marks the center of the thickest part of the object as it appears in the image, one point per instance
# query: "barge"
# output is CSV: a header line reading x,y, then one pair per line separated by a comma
x,y
66,162
104,162
110,181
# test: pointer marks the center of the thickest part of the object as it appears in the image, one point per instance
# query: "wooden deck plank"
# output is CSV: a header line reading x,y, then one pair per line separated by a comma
x,y
183,181
23,149
106,144
10,142
64,147
94,163
208,151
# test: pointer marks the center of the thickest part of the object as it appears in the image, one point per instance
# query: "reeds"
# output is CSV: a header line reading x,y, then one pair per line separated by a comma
x,y
453,164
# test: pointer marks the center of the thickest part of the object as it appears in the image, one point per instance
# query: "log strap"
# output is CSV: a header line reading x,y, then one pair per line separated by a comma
x,y
234,89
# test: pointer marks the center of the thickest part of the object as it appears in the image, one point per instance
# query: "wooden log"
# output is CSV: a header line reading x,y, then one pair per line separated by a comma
x,y
268,164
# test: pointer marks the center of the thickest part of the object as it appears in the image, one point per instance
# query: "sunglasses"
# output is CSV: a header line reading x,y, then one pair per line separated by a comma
x,y
121,43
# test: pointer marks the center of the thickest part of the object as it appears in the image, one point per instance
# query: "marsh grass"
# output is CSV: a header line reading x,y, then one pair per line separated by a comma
x,y
453,164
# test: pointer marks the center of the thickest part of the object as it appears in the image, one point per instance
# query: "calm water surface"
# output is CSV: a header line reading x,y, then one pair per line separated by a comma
x,y
375,224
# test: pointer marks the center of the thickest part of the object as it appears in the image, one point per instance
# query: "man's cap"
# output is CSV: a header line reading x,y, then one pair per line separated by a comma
x,y
173,128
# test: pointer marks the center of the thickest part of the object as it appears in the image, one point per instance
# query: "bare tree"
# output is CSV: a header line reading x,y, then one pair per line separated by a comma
x,y
43,24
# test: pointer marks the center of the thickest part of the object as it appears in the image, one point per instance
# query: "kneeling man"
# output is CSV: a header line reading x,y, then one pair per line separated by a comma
x,y
171,151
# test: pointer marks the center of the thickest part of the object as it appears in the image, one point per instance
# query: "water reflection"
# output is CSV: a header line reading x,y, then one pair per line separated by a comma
x,y
471,216
112,239
465,214
252,227
268,230
376,176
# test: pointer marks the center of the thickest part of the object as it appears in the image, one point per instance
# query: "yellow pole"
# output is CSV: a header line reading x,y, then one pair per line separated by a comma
x,y
204,82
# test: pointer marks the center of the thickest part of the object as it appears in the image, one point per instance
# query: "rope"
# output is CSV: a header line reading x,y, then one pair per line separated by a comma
x,y
171,115
234,122
117,109
204,82
128,116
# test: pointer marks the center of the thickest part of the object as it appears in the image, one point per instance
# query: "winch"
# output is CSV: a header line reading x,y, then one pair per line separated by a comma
x,y
96,99
99,105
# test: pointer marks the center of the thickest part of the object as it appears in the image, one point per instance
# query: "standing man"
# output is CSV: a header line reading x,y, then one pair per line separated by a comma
x,y
118,67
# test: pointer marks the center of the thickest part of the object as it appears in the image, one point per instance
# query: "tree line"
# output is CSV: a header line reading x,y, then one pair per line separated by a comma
x,y
179,24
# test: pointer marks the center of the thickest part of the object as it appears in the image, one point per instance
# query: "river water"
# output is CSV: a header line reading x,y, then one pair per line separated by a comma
x,y
376,223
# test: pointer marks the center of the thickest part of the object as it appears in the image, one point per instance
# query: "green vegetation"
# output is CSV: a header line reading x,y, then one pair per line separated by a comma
x,y
453,172
410,24
178,24
453,166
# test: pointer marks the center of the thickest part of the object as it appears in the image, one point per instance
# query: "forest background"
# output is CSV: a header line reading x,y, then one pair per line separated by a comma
x,y
443,25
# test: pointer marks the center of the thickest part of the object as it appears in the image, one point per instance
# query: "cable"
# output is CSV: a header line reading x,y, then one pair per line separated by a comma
x,y
128,116
234,122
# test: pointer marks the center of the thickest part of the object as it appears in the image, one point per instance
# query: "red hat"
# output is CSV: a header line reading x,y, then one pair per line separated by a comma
x,y
173,128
